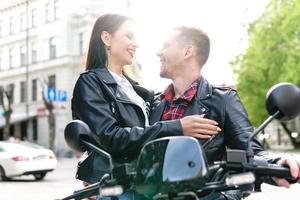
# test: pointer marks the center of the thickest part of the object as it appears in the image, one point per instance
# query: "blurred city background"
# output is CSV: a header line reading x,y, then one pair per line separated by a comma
x,y
43,43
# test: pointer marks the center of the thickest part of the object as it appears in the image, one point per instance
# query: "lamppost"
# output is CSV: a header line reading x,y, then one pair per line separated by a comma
x,y
27,59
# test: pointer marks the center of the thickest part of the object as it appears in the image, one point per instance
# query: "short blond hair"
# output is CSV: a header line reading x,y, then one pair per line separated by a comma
x,y
198,38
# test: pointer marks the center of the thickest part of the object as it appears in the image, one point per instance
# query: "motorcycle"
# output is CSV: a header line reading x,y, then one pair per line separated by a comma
x,y
166,169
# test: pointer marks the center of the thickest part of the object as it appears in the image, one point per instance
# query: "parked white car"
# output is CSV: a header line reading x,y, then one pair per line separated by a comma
x,y
17,159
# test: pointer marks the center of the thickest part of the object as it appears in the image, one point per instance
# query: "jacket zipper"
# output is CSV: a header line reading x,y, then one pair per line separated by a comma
x,y
206,143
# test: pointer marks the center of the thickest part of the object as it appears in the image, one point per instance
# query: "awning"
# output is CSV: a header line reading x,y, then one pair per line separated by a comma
x,y
17,117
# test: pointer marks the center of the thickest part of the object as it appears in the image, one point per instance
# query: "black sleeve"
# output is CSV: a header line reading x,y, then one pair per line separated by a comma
x,y
237,125
238,128
90,105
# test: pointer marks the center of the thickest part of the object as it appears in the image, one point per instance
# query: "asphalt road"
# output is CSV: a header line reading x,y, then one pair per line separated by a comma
x,y
56,184
277,193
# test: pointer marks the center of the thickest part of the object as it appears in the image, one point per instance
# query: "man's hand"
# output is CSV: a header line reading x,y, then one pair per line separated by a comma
x,y
199,127
293,162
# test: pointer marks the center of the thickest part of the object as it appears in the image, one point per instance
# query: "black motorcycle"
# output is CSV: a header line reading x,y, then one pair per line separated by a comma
x,y
167,169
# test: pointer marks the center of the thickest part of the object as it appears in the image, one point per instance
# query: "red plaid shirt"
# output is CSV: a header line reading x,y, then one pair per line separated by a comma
x,y
176,107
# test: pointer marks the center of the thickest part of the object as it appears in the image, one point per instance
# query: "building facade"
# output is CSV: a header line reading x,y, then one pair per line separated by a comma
x,y
42,46
276,137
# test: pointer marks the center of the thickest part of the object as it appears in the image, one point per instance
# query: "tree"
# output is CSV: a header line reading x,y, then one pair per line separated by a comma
x,y
273,56
51,117
6,98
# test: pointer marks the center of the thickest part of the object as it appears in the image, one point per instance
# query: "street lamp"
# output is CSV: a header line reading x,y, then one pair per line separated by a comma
x,y
27,59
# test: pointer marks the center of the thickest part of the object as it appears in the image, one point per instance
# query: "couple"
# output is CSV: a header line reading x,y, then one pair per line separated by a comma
x,y
124,116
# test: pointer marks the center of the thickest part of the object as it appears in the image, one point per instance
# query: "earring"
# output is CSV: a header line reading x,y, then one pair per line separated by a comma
x,y
108,50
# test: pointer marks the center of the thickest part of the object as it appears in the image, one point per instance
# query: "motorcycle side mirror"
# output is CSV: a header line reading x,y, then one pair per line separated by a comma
x,y
283,97
75,132
282,103
165,164
78,137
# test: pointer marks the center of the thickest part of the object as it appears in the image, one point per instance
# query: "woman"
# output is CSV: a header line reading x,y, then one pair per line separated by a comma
x,y
114,106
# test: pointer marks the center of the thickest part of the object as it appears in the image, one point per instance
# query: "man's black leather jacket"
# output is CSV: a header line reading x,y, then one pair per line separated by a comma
x,y
223,105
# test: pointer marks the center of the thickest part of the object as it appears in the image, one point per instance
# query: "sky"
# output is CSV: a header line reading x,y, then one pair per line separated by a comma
x,y
224,21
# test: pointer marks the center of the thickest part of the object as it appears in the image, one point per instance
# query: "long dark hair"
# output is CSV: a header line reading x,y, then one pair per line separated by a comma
x,y
97,56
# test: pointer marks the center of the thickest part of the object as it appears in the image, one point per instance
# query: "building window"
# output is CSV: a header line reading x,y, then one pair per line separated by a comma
x,y
0,28
10,59
23,55
80,43
34,90
52,48
47,12
52,81
33,18
1,61
11,25
12,130
11,89
34,129
23,21
1,96
33,53
24,127
22,92
56,10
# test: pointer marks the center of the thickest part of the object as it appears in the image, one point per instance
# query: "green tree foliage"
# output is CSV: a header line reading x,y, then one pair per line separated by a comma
x,y
273,56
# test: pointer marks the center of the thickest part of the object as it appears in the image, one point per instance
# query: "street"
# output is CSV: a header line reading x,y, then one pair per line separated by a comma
x,y
56,184
276,193
61,182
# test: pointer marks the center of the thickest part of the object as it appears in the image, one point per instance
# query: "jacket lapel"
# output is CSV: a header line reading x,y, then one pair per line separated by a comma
x,y
110,82
120,95
196,108
204,93
157,111
104,75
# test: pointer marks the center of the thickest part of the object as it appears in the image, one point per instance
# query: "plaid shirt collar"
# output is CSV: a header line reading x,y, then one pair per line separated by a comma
x,y
188,95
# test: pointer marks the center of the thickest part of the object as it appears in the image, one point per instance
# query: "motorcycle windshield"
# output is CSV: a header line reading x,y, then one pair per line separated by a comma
x,y
165,165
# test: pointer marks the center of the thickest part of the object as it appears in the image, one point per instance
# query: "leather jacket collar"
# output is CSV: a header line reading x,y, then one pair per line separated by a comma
x,y
107,78
204,89
204,92
104,75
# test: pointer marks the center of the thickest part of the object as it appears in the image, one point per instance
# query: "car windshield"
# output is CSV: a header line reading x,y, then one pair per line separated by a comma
x,y
11,146
29,144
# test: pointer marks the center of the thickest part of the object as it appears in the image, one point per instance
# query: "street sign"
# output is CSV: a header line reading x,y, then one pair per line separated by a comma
x,y
51,94
62,95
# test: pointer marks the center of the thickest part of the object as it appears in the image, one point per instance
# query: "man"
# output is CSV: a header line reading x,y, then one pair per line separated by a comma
x,y
182,58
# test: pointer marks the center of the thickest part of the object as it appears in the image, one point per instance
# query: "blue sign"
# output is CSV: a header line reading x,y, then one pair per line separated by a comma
x,y
62,95
51,94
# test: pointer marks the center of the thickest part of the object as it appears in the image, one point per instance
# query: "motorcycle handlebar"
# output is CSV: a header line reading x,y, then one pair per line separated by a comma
x,y
88,191
274,170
